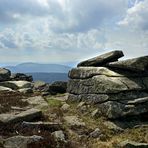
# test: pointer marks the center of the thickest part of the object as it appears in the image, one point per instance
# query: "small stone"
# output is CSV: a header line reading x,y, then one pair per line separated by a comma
x,y
26,90
112,126
81,104
51,126
65,107
95,113
45,93
96,133
83,109
59,135
37,101
146,137
132,144
74,121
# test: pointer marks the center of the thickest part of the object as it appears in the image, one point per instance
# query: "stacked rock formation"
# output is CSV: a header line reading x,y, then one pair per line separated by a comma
x,y
15,82
117,88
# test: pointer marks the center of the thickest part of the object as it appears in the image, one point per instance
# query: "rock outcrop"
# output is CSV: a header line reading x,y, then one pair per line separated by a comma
x,y
118,88
21,77
102,59
137,64
15,85
58,87
4,74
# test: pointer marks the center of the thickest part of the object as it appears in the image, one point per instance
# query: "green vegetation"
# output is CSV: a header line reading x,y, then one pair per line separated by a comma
x,y
54,103
110,138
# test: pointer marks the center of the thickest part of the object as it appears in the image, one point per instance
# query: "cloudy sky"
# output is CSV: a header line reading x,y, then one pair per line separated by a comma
x,y
67,31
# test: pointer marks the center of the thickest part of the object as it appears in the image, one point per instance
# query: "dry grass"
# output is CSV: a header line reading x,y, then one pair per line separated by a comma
x,y
9,99
77,138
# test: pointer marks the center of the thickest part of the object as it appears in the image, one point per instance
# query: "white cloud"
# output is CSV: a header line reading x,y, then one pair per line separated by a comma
x,y
137,16
69,30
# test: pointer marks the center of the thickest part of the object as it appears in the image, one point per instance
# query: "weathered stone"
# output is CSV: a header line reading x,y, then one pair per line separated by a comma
x,y
65,107
102,59
89,72
20,141
58,87
39,86
132,144
51,126
88,98
138,101
59,136
100,98
38,101
4,74
118,89
114,109
137,64
16,84
103,84
21,77
81,104
74,121
96,133
95,113
2,88
26,90
112,126
28,115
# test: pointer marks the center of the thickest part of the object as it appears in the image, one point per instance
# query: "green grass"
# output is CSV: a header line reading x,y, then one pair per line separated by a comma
x,y
110,140
54,103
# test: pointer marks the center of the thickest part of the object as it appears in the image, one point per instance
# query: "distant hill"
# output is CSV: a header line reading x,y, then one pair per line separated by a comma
x,y
49,77
44,72
37,68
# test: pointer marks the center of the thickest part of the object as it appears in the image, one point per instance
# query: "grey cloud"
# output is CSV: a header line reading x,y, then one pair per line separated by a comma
x,y
84,15
11,9
72,16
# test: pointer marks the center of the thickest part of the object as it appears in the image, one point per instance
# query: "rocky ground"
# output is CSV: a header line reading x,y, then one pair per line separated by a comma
x,y
53,122
102,107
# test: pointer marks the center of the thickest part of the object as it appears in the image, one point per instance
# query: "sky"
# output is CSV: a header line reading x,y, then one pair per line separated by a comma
x,y
69,31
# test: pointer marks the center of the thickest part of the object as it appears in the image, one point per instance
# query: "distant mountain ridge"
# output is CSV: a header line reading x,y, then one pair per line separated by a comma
x,y
49,77
35,67
44,72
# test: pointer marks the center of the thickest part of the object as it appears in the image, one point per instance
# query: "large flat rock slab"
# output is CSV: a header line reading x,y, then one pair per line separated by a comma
x,y
37,101
28,115
102,59
103,84
114,109
137,64
16,84
89,72
131,97
20,141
